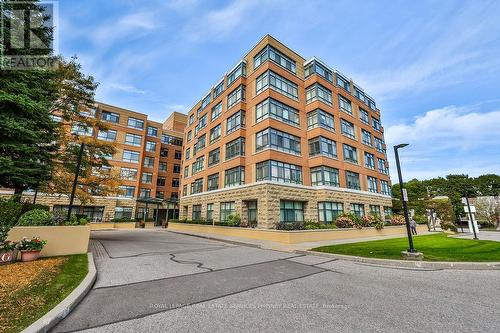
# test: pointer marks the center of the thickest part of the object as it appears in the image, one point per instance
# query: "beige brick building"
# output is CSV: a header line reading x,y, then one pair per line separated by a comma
x,y
282,139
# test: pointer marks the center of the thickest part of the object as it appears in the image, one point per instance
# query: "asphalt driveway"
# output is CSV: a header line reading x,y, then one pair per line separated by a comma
x,y
157,281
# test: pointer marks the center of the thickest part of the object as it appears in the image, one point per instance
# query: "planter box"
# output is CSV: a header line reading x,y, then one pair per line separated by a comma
x,y
296,236
61,240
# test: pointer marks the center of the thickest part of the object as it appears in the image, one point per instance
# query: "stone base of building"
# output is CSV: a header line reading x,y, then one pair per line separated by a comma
x,y
267,198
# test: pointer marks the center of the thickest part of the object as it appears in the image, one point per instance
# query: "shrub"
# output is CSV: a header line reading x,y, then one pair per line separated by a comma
x,y
34,244
7,246
345,221
449,226
313,225
290,226
234,220
36,217
398,220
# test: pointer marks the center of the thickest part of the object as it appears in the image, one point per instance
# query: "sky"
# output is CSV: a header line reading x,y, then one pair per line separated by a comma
x,y
433,67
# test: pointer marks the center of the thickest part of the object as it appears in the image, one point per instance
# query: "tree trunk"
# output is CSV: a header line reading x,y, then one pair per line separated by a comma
x,y
18,192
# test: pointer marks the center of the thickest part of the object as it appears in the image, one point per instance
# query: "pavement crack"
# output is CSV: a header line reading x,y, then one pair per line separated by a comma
x,y
197,263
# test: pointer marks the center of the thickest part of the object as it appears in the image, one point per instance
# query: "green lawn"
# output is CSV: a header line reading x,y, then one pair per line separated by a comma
x,y
30,290
436,247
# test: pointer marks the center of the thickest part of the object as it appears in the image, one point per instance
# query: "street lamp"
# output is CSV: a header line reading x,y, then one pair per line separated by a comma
x,y
75,180
404,197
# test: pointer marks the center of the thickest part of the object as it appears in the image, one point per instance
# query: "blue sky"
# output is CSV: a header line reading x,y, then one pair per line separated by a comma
x,y
432,66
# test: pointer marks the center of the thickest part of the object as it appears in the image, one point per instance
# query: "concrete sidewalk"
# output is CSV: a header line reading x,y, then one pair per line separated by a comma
x,y
269,245
482,235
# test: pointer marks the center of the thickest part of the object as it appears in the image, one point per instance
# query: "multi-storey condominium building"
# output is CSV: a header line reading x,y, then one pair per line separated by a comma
x,y
148,157
281,139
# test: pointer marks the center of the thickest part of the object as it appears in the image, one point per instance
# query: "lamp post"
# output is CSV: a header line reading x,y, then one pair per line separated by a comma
x,y
75,180
404,197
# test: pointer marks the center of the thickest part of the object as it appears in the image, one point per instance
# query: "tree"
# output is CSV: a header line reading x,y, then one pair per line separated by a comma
x,y
27,132
488,211
76,107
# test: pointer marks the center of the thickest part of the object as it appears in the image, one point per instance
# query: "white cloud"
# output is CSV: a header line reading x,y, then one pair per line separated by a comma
x,y
176,107
447,140
127,88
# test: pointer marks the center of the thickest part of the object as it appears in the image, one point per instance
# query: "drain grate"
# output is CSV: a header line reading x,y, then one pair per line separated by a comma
x,y
97,249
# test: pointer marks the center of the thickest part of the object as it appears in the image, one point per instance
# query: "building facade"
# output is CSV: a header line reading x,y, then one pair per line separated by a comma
x,y
282,139
148,158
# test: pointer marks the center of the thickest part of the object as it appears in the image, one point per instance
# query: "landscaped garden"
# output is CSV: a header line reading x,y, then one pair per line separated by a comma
x,y
436,247
29,290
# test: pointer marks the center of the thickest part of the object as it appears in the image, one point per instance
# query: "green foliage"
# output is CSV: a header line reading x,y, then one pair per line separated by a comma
x,y
313,225
449,226
34,244
288,226
348,221
36,217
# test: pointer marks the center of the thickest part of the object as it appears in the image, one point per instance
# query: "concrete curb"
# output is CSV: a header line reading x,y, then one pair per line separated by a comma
x,y
61,310
216,239
430,265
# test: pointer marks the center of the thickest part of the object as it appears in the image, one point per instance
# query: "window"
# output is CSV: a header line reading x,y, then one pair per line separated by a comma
x,y
371,103
358,209
191,119
320,118
163,166
317,92
379,144
210,212
147,178
178,154
123,212
80,129
184,190
186,171
328,211
322,146
216,112
240,70
145,193
57,119
174,195
135,123
376,124
215,133
128,173
198,112
375,210
171,140
130,156
343,82
149,162
314,67
372,184
235,148
324,175
350,154
279,172
276,56
384,187
133,139
197,186
152,131
369,161
218,89
387,212
234,176
163,152
274,139
150,146
110,116
366,137
277,83
347,129
188,153
213,182
214,157
276,110
127,191
200,144
196,213
160,194
175,182
235,122
189,136
109,135
352,180
161,181
198,165
205,101
252,212
363,116
382,168
235,96
345,104
177,168
226,209
202,123
291,211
